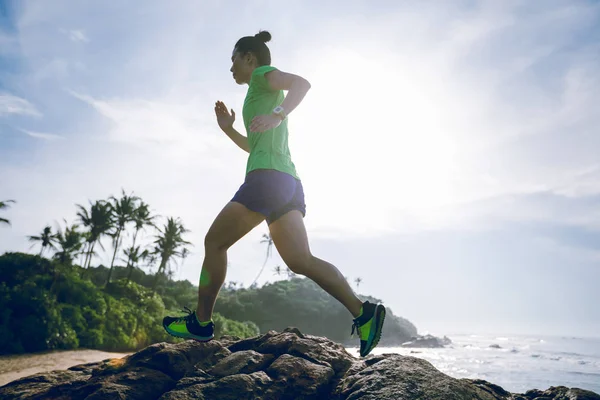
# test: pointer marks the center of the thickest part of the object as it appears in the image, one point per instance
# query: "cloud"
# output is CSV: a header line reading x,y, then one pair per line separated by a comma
x,y
435,108
77,36
10,104
43,136
174,129
444,126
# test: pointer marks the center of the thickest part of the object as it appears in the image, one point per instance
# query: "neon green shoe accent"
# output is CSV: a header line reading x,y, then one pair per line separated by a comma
x,y
369,327
365,330
180,327
362,309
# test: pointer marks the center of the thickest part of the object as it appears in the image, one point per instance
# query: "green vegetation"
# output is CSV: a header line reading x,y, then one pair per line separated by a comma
x,y
47,239
46,304
60,303
302,303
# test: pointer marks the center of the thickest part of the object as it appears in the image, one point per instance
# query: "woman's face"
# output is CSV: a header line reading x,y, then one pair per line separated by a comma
x,y
241,67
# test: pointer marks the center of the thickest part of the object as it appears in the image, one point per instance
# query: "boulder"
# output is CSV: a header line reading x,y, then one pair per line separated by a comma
x,y
274,366
427,341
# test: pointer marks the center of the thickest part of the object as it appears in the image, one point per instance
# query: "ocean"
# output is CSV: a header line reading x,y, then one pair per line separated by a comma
x,y
520,364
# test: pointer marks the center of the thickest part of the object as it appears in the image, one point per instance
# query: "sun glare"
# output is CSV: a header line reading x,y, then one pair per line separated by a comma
x,y
377,134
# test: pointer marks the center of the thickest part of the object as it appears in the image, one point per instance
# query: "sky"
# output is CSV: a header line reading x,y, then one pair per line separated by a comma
x,y
448,150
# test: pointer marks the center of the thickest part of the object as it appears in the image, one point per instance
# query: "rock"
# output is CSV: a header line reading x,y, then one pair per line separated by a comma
x,y
37,386
274,366
242,362
299,378
492,389
427,341
135,383
393,376
559,393
234,387
495,346
313,348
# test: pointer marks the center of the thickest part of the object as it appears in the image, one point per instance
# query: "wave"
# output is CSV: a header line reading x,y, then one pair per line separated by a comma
x,y
581,373
566,353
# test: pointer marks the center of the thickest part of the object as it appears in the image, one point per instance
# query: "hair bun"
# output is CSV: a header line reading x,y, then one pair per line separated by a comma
x,y
263,36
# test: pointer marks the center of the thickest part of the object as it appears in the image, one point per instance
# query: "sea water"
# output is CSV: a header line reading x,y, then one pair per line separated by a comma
x,y
520,364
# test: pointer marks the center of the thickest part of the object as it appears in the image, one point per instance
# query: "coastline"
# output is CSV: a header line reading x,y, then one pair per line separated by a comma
x,y
17,366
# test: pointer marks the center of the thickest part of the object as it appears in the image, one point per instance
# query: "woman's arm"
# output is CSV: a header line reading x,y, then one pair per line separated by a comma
x,y
238,138
296,86
225,121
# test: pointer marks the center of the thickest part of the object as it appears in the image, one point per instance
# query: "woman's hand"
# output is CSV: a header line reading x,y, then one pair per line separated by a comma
x,y
224,119
263,123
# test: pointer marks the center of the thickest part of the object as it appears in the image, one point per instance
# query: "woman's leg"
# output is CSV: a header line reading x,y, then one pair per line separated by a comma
x,y
232,223
290,239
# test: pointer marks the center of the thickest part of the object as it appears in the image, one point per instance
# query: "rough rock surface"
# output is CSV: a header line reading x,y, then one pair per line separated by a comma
x,y
427,341
274,366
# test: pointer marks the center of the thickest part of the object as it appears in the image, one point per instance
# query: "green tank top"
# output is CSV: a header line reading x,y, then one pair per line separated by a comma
x,y
269,149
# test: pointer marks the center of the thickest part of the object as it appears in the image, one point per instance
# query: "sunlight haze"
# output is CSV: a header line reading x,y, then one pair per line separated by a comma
x,y
448,150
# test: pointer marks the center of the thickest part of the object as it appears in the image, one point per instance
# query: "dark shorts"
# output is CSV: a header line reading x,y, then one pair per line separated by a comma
x,y
271,193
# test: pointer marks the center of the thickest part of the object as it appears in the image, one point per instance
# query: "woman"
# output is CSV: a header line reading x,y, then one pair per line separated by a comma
x,y
273,191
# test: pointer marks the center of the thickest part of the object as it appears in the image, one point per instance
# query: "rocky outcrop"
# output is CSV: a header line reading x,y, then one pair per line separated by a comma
x,y
274,366
427,341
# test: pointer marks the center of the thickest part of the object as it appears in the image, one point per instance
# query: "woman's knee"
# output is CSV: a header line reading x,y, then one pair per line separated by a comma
x,y
213,242
300,264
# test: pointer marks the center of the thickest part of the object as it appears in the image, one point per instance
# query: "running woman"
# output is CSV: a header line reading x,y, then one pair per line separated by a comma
x,y
272,191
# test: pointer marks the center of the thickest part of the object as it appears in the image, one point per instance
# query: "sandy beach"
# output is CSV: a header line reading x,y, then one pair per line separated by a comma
x,y
18,366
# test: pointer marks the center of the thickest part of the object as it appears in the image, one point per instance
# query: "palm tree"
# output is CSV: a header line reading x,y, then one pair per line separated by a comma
x,y
69,244
99,222
141,218
290,273
269,241
184,254
277,270
134,256
357,281
4,205
123,211
46,239
169,244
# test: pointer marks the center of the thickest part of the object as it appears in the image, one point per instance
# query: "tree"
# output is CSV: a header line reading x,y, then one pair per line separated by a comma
x,y
123,211
4,205
269,241
47,239
69,244
134,256
358,281
184,254
141,218
290,273
169,243
277,270
99,222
